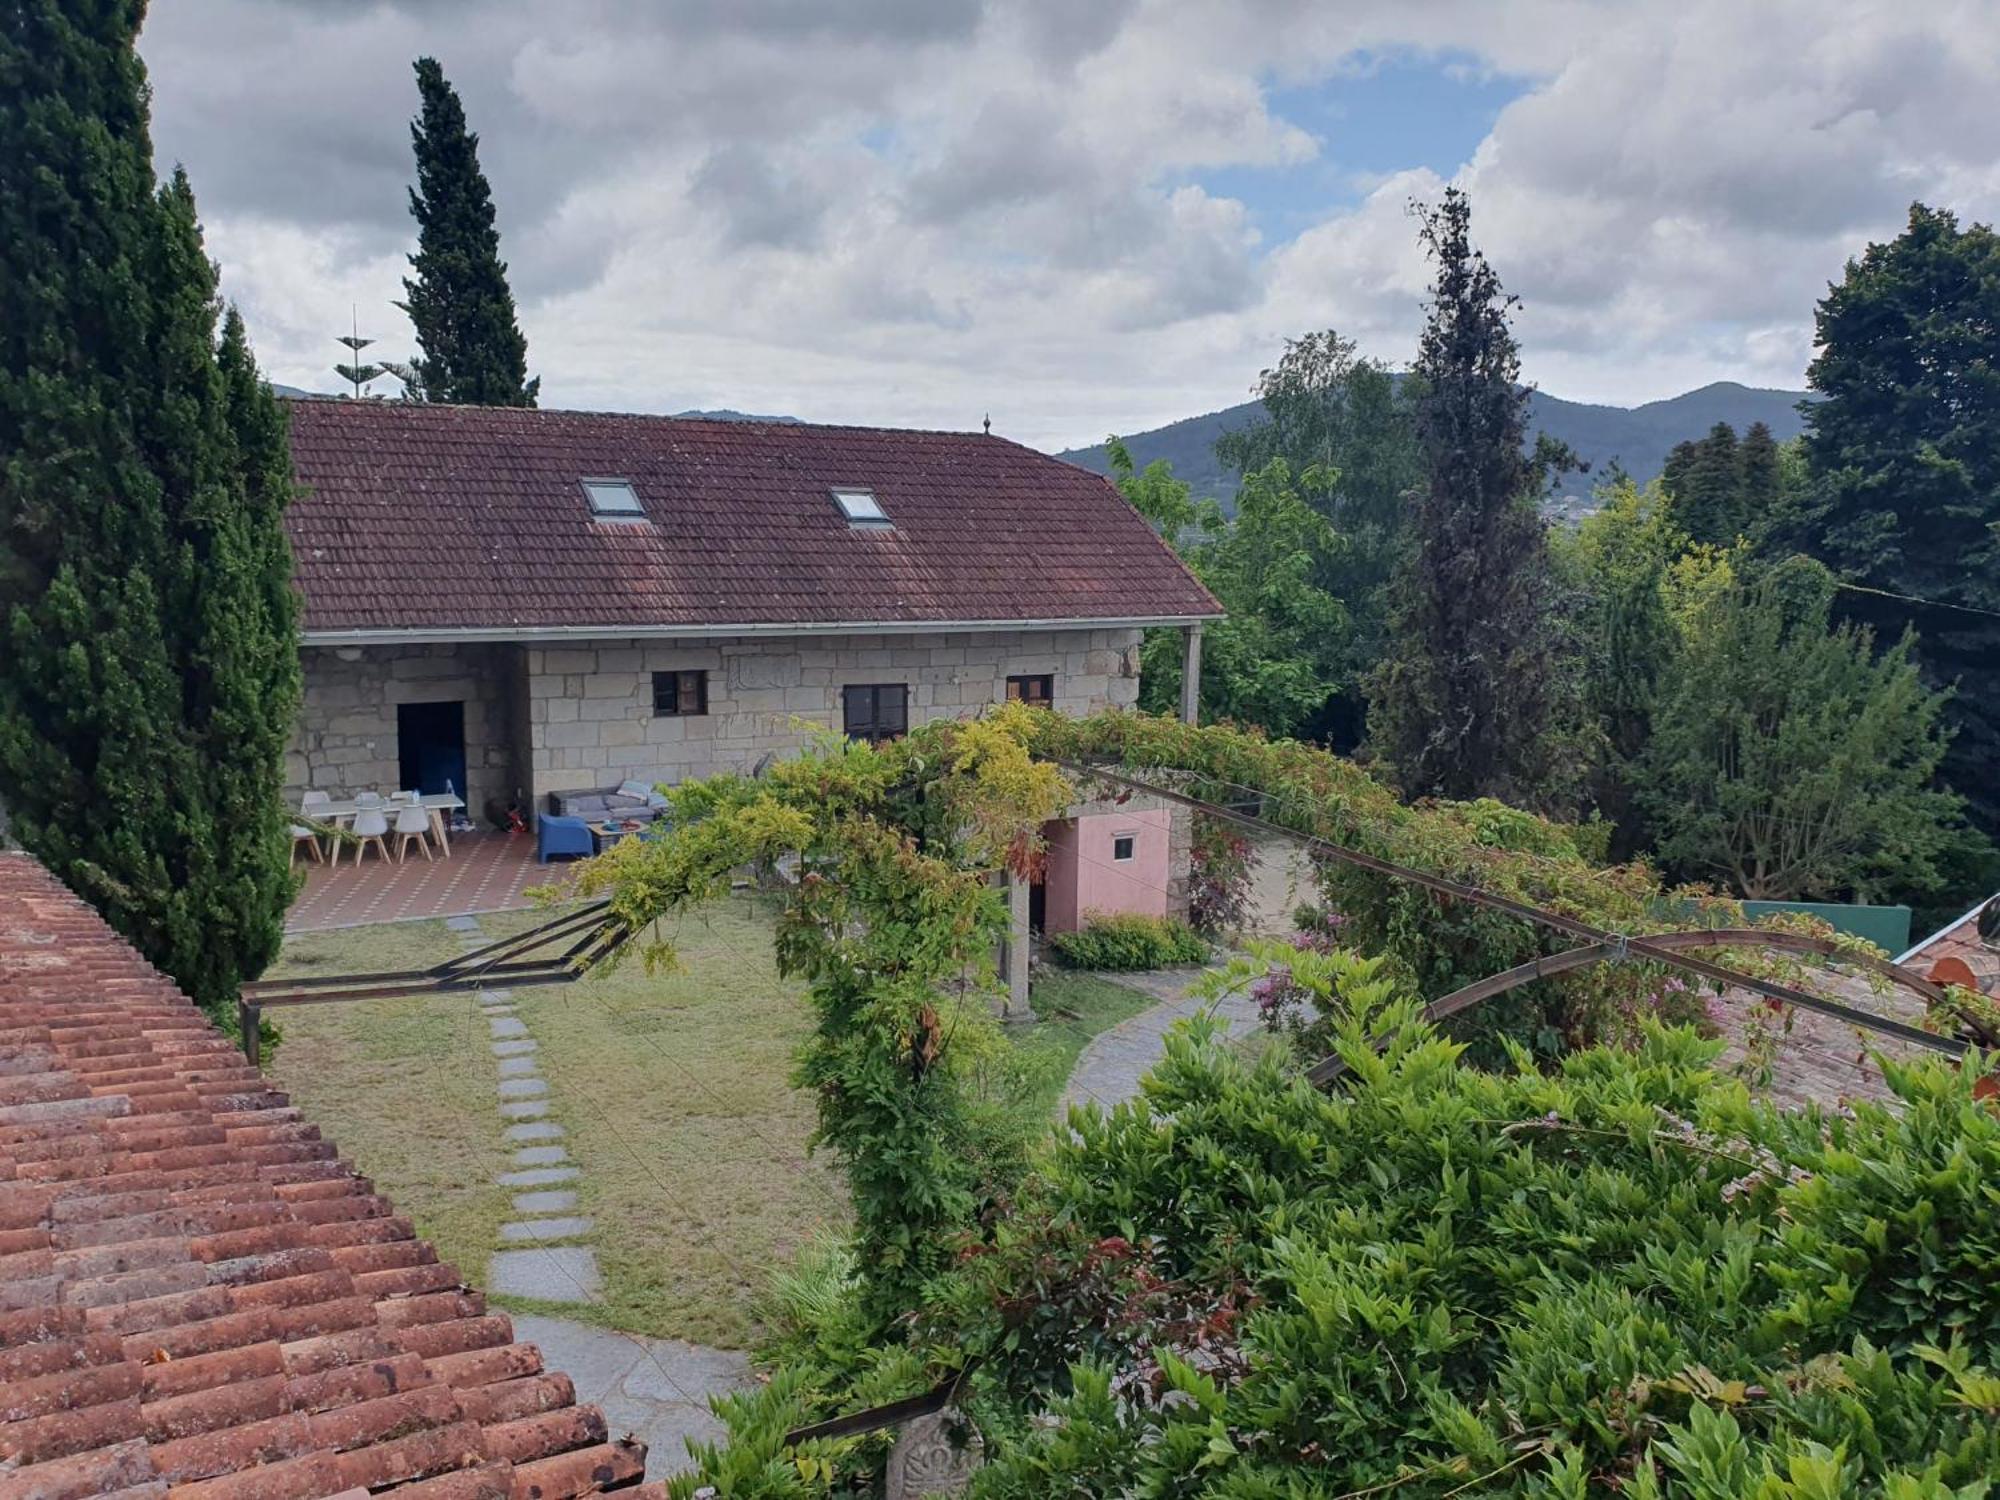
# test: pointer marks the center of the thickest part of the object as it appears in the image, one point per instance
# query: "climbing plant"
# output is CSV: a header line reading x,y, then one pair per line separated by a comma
x,y
893,922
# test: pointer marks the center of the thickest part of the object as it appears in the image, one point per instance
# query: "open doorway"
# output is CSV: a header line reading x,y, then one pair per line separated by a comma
x,y
430,746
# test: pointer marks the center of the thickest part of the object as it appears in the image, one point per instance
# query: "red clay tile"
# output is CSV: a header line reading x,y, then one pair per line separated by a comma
x,y
198,1299
744,529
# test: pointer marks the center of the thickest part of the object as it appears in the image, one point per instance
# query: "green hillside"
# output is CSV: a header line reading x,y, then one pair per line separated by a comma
x,y
1638,437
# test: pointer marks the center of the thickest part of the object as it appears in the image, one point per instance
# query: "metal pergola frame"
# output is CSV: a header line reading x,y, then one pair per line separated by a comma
x,y
588,935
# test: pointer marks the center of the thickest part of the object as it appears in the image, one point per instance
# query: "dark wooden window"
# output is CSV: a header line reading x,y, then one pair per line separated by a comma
x,y
679,693
1038,689
876,711
1124,845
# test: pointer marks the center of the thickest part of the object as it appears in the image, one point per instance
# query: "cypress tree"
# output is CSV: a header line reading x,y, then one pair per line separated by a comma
x,y
1473,698
473,350
121,473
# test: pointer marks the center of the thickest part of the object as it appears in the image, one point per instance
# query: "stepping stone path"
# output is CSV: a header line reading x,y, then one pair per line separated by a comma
x,y
657,1389
552,1267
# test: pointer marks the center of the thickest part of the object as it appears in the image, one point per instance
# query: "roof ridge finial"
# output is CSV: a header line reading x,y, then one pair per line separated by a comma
x,y
987,423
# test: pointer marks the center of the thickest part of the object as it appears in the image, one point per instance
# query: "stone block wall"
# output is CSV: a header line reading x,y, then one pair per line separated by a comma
x,y
590,706
345,740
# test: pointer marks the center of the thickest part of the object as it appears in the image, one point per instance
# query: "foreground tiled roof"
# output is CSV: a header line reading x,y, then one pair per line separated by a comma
x,y
198,1298
439,517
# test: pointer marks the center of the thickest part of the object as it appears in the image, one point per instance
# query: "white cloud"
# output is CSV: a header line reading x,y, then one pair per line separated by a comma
x,y
916,212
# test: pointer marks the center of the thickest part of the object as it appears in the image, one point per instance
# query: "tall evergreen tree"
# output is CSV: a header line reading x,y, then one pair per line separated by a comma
x,y
1762,467
1473,698
1705,477
1904,454
473,350
121,469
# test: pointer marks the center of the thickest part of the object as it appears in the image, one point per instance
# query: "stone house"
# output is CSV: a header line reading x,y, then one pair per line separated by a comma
x,y
534,602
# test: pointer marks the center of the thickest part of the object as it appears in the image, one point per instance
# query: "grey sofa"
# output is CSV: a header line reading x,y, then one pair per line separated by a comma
x,y
597,804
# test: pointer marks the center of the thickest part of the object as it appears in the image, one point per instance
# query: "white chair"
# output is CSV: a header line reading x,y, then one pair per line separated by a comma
x,y
367,799
371,827
304,835
412,822
313,805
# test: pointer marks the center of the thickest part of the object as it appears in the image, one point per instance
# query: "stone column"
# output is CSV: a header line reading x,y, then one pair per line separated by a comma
x,y
1191,676
1014,950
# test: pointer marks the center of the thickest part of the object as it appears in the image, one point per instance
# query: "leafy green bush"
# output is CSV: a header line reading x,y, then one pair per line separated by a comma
x,y
1127,941
1617,1275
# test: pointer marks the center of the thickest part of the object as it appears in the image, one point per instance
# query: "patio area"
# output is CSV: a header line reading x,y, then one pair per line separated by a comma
x,y
486,872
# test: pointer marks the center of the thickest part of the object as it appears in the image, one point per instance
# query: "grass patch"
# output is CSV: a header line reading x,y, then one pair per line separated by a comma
x,y
1070,1009
674,1092
672,1089
403,1087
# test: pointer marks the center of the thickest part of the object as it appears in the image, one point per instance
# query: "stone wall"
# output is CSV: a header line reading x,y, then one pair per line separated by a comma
x,y
345,741
590,707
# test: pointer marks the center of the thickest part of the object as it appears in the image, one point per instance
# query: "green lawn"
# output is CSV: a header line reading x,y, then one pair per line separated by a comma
x,y
404,1087
672,1090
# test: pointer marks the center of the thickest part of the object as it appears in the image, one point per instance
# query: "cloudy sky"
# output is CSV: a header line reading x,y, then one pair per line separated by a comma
x,y
1080,215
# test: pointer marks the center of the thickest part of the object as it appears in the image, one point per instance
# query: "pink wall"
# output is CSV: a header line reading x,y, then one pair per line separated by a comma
x,y
1082,877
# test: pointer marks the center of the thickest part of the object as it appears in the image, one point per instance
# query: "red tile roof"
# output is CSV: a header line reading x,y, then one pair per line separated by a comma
x,y
422,517
198,1298
1960,941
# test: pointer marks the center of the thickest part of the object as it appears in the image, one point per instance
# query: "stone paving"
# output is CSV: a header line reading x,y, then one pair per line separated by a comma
x,y
1110,1067
656,1389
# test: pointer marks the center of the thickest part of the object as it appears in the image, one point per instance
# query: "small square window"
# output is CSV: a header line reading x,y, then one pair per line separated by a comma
x,y
875,712
861,507
1124,846
678,694
1038,689
612,497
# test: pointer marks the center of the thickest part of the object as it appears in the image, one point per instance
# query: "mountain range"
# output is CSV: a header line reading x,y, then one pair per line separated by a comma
x,y
1638,438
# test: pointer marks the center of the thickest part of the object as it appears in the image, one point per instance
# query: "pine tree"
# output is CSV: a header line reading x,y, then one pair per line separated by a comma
x,y
1762,479
1473,698
1904,455
121,468
1705,479
473,350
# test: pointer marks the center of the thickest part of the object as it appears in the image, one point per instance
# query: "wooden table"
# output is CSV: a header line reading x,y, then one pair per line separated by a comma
x,y
437,804
603,835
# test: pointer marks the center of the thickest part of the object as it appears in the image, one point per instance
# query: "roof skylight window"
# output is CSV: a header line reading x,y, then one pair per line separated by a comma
x,y
861,507
613,497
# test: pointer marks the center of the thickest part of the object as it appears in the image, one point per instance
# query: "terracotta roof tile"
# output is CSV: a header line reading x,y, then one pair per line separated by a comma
x,y
1961,941
198,1298
439,517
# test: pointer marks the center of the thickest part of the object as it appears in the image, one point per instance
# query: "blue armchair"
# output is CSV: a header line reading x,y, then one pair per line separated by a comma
x,y
555,835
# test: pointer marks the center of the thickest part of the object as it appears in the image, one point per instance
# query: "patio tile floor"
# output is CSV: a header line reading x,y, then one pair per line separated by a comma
x,y
486,872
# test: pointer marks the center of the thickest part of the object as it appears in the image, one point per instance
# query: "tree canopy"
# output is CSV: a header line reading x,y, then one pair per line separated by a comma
x,y
1787,757
471,347
149,675
1276,657
1327,408
1724,489
1904,453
